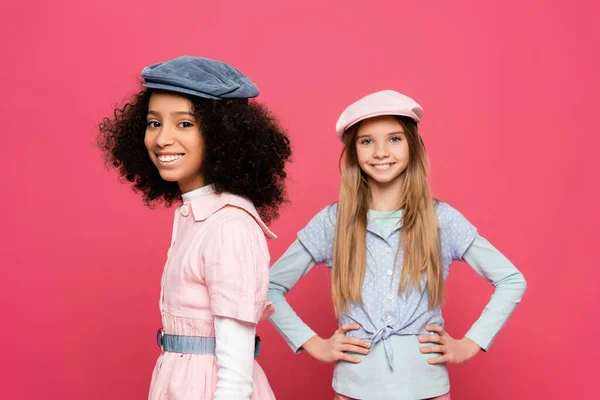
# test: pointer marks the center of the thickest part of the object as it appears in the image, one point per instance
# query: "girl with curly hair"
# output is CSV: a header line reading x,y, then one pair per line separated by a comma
x,y
192,135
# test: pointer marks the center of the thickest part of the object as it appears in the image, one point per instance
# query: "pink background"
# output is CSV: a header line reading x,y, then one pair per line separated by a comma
x,y
510,92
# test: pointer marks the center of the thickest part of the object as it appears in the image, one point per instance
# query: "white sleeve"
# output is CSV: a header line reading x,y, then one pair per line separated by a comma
x,y
235,358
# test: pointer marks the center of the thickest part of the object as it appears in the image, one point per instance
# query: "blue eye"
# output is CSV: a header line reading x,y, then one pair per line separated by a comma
x,y
153,124
366,141
395,139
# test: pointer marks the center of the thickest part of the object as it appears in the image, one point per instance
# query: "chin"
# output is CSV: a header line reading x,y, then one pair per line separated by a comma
x,y
390,180
385,179
169,176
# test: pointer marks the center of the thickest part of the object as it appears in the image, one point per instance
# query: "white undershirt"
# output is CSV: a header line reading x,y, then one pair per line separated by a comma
x,y
189,196
235,358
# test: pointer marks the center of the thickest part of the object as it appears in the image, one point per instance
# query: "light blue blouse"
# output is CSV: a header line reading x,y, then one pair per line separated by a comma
x,y
395,368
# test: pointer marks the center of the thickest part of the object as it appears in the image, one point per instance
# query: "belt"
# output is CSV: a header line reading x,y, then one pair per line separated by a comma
x,y
193,344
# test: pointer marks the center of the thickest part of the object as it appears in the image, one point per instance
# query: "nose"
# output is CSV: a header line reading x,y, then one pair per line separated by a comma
x,y
381,150
165,137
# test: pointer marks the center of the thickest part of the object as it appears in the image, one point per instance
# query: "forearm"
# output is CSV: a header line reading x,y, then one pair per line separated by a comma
x,y
235,358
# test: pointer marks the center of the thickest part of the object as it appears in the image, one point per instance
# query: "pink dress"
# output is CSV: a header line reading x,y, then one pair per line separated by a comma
x,y
218,264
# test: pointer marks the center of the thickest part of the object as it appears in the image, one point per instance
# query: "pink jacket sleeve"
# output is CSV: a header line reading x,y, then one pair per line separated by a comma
x,y
236,269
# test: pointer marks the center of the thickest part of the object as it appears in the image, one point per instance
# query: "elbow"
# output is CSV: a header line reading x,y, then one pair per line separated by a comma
x,y
514,282
519,285
519,281
523,284
275,292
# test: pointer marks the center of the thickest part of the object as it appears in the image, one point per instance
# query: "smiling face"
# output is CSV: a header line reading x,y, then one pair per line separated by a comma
x,y
382,150
174,141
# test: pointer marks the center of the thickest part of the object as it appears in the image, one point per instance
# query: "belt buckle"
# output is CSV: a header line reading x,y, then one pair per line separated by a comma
x,y
159,338
257,342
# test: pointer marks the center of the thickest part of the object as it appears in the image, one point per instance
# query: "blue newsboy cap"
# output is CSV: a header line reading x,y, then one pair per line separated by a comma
x,y
200,77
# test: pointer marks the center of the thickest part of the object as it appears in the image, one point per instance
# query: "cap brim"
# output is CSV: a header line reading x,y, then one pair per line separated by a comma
x,y
177,89
355,121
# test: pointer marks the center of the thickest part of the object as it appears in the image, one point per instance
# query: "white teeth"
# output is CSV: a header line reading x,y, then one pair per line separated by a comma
x,y
382,167
169,157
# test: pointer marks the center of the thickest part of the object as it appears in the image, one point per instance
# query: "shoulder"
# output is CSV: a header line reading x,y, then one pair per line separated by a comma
x,y
233,218
328,214
445,212
453,225
325,219
233,233
318,235
231,212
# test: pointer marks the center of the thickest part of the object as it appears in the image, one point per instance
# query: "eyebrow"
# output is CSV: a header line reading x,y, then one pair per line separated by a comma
x,y
389,134
156,113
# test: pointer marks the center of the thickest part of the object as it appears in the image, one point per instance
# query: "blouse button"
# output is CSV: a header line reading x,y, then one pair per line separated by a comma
x,y
184,211
389,318
390,272
388,250
390,296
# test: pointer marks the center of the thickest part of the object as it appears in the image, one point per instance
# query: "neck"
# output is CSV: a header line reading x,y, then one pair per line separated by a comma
x,y
188,197
190,184
385,196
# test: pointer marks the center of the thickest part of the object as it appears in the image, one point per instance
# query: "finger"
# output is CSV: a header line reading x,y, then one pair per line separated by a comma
x,y
430,339
348,348
435,328
349,327
357,342
439,360
433,349
346,357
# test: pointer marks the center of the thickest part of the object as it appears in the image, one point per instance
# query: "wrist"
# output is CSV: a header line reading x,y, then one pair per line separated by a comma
x,y
310,343
471,345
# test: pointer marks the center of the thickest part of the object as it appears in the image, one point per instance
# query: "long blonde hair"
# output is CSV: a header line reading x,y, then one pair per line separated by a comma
x,y
418,236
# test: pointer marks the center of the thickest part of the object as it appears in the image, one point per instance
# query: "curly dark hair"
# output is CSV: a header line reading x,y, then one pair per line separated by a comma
x,y
245,151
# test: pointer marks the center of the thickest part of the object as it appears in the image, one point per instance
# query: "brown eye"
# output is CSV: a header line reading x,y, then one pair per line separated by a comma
x,y
153,124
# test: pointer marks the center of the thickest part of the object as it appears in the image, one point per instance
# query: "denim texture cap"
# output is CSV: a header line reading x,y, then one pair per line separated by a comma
x,y
385,102
200,77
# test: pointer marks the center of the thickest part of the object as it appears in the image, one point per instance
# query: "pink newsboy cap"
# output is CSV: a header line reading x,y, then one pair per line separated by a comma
x,y
385,102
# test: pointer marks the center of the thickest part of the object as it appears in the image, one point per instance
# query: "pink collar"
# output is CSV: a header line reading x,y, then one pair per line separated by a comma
x,y
209,203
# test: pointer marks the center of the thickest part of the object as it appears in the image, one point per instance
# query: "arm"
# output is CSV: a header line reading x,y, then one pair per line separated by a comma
x,y
236,273
235,358
510,287
285,273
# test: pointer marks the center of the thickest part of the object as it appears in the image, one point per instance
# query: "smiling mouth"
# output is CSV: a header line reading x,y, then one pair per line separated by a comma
x,y
168,160
382,167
